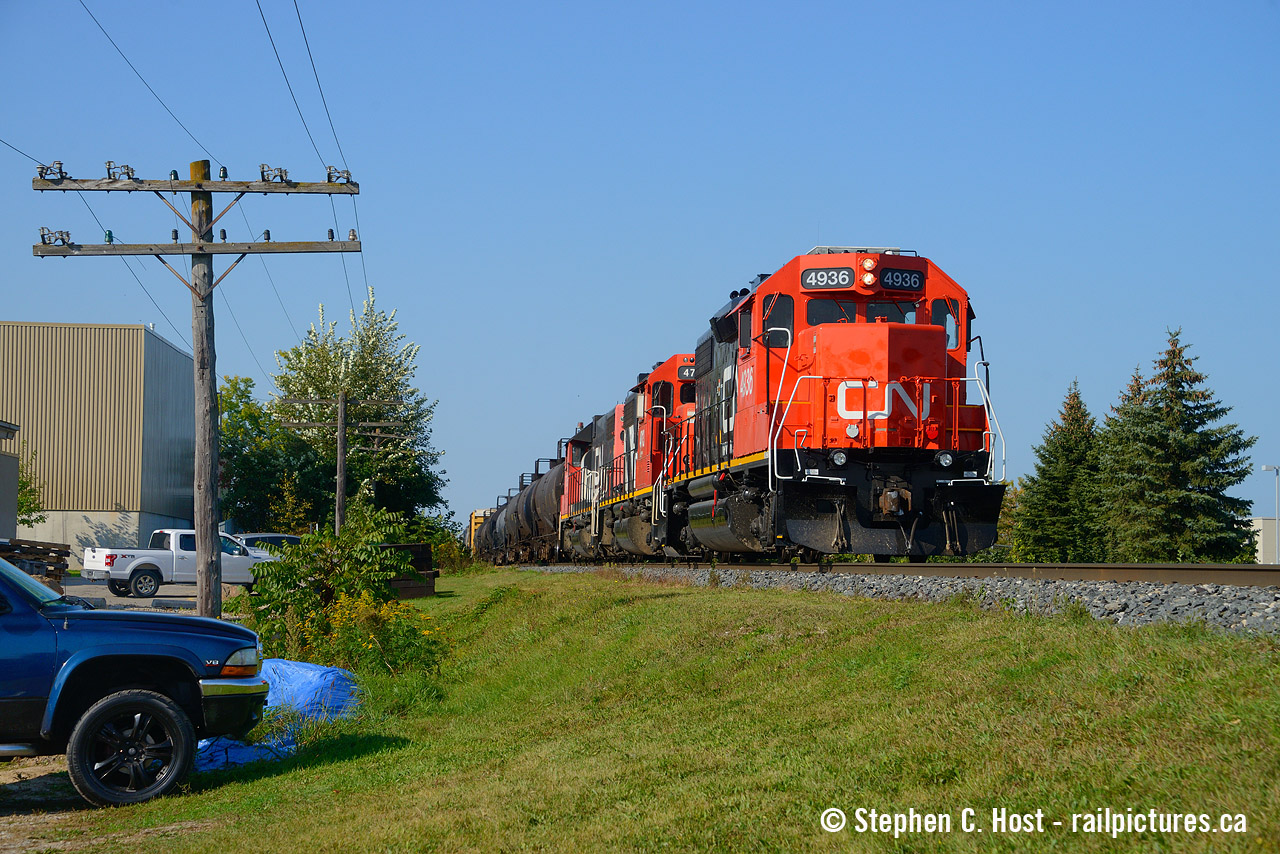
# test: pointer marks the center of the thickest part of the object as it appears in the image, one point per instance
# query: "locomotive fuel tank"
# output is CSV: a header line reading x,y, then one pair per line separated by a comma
x,y
725,523
634,535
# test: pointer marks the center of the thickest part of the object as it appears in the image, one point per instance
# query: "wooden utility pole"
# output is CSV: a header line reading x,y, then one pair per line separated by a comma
x,y
201,250
340,497
208,550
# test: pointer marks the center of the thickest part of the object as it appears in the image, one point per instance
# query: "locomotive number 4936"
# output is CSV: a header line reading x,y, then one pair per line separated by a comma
x,y
834,277
902,280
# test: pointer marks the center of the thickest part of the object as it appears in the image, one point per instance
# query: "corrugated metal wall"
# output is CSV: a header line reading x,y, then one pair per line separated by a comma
x,y
168,429
76,392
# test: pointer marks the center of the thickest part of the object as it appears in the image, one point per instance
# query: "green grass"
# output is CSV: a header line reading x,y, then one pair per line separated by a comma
x,y
586,712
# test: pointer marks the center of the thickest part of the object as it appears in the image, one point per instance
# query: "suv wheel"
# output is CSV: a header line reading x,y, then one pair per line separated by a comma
x,y
118,588
130,747
144,583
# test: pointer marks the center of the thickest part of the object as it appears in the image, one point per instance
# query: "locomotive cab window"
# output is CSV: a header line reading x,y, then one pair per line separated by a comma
x,y
779,312
898,311
744,328
662,393
688,393
944,315
820,311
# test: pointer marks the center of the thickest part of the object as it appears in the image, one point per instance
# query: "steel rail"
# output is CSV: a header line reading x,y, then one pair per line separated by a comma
x,y
1238,575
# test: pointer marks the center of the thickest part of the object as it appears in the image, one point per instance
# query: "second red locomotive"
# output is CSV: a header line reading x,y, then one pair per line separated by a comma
x,y
830,408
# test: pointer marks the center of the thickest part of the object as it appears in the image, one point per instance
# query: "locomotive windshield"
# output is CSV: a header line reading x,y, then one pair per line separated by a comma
x,y
820,311
893,312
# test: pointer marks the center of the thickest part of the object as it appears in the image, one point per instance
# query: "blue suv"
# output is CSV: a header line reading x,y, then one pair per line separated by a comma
x,y
127,694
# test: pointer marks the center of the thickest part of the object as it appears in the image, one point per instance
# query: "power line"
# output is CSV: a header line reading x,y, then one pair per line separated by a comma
x,y
236,321
274,289
128,267
122,258
355,209
23,153
148,85
307,128
288,84
318,86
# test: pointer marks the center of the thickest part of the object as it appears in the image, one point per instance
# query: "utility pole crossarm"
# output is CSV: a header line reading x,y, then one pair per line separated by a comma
x,y
127,185
51,250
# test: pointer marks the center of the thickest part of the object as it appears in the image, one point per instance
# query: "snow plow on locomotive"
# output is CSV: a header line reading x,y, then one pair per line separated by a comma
x,y
830,408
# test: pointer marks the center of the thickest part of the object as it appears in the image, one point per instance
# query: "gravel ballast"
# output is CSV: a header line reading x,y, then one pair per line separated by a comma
x,y
1125,603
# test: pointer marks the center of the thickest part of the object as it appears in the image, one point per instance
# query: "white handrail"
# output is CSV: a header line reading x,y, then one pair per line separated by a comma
x,y
786,359
782,422
992,419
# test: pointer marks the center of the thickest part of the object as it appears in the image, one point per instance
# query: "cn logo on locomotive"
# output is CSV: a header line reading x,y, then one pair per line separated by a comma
x,y
842,399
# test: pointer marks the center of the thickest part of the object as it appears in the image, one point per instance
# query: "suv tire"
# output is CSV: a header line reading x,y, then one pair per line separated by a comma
x,y
130,747
144,583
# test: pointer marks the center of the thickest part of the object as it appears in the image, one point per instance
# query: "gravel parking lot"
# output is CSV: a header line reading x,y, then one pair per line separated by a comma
x,y
97,590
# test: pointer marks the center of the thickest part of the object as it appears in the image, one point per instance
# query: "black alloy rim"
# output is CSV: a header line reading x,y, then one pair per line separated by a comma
x,y
132,752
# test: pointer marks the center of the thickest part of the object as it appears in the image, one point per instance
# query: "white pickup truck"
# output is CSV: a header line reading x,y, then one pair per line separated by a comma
x,y
170,558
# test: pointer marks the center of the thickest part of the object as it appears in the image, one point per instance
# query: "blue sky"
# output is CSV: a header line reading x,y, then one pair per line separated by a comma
x,y
556,196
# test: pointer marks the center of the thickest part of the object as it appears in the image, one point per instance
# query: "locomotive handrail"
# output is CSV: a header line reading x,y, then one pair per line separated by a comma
x,y
773,411
596,477
782,422
992,420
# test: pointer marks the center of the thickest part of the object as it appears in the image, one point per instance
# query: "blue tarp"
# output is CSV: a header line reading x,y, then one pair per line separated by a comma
x,y
314,691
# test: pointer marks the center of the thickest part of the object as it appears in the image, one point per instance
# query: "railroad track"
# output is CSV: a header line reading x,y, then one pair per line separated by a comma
x,y
1238,575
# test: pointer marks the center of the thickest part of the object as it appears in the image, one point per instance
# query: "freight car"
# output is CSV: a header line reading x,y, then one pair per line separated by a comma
x,y
834,406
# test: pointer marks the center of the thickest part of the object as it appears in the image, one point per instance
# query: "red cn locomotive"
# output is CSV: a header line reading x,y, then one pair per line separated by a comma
x,y
831,408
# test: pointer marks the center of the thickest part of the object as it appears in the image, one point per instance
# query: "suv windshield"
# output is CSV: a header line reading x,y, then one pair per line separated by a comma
x,y
37,591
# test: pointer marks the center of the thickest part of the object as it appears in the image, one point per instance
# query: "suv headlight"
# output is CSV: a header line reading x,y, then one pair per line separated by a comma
x,y
243,662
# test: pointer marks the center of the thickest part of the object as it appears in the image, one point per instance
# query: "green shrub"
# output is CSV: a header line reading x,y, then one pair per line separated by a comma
x,y
365,634
293,594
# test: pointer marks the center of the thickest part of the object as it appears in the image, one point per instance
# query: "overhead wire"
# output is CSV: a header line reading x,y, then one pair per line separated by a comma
x,y
244,337
355,209
307,128
123,259
202,147
148,85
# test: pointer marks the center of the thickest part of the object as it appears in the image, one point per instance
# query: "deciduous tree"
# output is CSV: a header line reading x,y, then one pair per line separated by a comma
x,y
373,363
258,456
31,509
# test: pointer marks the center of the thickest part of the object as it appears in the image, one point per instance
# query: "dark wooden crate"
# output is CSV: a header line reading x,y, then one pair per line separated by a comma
x,y
421,580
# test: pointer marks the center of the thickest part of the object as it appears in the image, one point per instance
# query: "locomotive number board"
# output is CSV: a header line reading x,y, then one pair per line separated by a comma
x,y
902,280
831,277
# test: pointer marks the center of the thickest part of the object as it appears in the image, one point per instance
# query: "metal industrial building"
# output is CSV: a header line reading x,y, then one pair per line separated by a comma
x,y
8,485
108,411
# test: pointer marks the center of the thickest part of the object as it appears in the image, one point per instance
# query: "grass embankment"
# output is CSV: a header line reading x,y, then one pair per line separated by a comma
x,y
587,712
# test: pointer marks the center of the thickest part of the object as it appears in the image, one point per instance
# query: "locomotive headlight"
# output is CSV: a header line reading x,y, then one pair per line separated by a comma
x,y
868,278
868,264
944,459
839,458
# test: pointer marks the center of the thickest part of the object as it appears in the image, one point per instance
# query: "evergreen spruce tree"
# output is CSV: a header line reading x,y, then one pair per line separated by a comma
x,y
1058,517
1167,468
